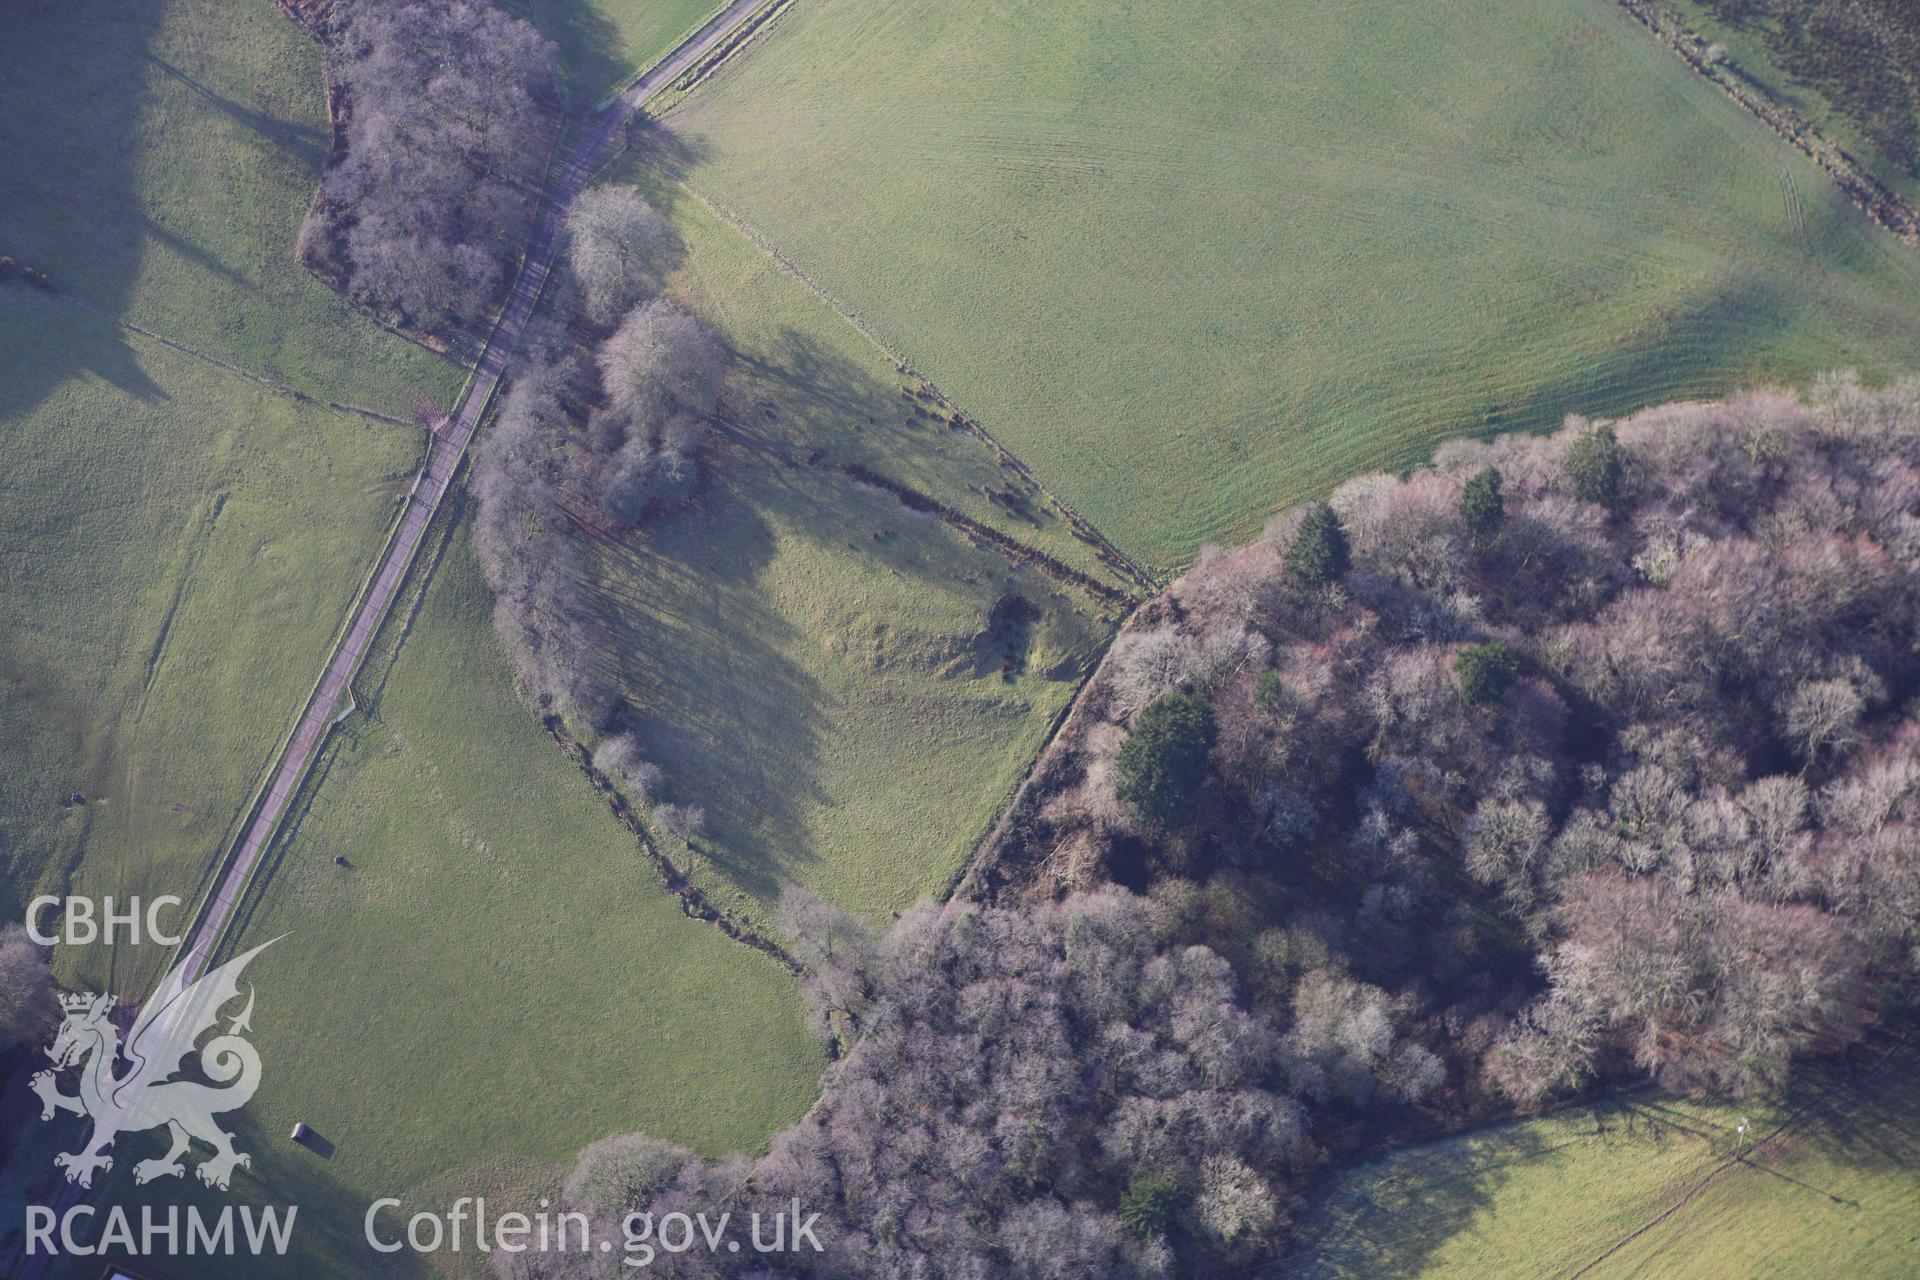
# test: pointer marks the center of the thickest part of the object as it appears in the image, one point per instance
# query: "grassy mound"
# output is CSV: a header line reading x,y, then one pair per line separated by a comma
x,y
850,685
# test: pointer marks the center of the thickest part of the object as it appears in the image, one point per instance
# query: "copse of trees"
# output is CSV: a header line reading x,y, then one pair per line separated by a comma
x,y
1683,843
1653,723
661,372
592,437
1060,1091
448,109
525,472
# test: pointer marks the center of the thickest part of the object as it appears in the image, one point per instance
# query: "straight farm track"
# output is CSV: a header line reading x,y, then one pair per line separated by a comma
x,y
449,447
324,706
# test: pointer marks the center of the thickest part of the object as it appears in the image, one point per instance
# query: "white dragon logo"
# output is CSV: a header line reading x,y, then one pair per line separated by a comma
x,y
146,1096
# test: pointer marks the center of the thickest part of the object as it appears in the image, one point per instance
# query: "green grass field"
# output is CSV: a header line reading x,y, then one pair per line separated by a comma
x,y
499,978
177,544
1747,48
177,550
496,980
1194,261
1838,1194
1187,278
603,42
811,661
158,161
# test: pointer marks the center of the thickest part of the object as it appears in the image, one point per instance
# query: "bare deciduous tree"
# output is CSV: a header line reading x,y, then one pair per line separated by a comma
x,y
622,758
616,243
680,821
448,114
659,362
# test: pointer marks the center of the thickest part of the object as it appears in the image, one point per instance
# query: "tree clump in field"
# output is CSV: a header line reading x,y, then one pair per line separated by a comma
x,y
616,243
1623,784
661,372
526,468
660,363
445,111
598,433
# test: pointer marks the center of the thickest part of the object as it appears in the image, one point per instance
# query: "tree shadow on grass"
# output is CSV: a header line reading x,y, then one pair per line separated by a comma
x,y
658,158
589,47
69,190
198,255
1863,1113
1390,1216
1679,353
713,630
42,833
802,370
305,144
701,655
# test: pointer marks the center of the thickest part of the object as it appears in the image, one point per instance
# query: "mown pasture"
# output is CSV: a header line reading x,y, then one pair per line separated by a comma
x,y
1195,261
1628,1187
